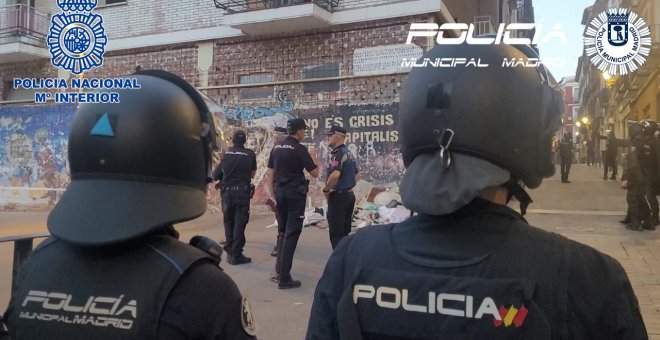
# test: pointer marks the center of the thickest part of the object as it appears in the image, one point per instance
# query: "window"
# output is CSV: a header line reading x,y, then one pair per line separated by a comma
x,y
576,94
321,71
256,92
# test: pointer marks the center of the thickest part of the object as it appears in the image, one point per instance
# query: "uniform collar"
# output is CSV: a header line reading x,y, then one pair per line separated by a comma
x,y
337,148
463,238
291,139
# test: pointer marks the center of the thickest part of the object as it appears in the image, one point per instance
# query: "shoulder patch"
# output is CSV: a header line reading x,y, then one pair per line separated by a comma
x,y
247,319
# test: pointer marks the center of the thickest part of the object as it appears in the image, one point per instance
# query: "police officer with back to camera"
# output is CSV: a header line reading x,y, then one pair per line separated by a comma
x,y
649,164
341,178
234,174
566,156
279,134
285,167
633,180
610,154
113,268
467,266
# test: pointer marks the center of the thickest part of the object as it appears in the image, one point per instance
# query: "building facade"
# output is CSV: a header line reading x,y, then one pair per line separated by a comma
x,y
612,101
262,62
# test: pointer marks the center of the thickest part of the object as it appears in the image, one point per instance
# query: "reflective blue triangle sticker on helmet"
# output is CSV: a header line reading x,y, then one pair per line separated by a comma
x,y
103,127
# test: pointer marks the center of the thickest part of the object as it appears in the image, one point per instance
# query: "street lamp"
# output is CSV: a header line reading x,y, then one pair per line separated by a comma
x,y
585,120
607,76
577,124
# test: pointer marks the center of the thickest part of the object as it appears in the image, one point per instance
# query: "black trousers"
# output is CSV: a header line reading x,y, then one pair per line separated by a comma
x,y
340,215
565,168
649,193
290,217
235,215
637,205
609,162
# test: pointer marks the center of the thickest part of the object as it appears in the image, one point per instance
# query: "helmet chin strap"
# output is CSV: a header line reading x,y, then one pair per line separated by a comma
x,y
516,190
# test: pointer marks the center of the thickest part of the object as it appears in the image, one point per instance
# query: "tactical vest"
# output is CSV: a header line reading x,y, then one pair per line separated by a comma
x,y
68,292
389,295
647,155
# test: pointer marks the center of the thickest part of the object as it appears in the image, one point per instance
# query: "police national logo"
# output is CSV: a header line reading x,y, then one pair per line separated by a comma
x,y
617,41
247,319
77,38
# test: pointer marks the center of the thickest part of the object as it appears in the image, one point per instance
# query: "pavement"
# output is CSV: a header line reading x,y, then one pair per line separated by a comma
x,y
586,210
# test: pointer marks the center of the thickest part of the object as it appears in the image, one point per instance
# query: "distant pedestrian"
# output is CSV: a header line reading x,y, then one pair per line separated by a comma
x,y
566,155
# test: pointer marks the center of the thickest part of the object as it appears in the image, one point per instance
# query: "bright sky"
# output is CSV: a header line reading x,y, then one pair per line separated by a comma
x,y
569,14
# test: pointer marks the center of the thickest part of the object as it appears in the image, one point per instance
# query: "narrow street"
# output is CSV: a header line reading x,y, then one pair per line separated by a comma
x,y
586,210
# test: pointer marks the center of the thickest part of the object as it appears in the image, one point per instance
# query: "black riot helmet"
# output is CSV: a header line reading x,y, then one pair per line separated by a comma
x,y
635,129
506,115
649,127
138,165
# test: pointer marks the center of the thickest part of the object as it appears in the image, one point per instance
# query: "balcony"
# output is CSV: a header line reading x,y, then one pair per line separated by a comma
x,y
261,17
23,32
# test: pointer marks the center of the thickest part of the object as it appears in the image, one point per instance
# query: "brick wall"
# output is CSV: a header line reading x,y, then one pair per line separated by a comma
x,y
353,4
286,57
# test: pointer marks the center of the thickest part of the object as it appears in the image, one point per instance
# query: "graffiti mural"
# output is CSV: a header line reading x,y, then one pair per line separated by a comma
x,y
372,137
33,145
33,154
259,122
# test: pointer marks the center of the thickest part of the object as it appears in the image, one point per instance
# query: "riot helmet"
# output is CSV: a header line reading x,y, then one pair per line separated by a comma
x,y
649,127
635,129
138,165
467,109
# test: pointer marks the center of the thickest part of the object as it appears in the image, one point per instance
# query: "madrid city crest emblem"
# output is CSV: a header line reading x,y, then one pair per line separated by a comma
x,y
617,41
77,38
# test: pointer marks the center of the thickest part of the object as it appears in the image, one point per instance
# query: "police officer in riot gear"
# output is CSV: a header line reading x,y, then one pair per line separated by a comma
x,y
285,167
235,172
633,180
467,266
649,164
340,180
113,268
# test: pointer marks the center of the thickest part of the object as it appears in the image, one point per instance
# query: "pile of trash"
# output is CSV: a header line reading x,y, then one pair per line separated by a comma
x,y
372,206
380,206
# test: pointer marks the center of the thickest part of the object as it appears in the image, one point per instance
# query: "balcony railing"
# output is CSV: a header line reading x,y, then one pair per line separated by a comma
x,y
22,20
238,6
484,25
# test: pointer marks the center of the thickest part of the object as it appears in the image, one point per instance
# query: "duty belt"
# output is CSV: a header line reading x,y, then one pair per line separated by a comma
x,y
343,191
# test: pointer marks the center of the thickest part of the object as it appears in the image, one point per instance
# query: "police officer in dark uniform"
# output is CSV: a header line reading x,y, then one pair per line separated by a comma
x,y
467,266
285,167
113,268
339,185
566,155
234,173
638,217
279,134
649,164
611,150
